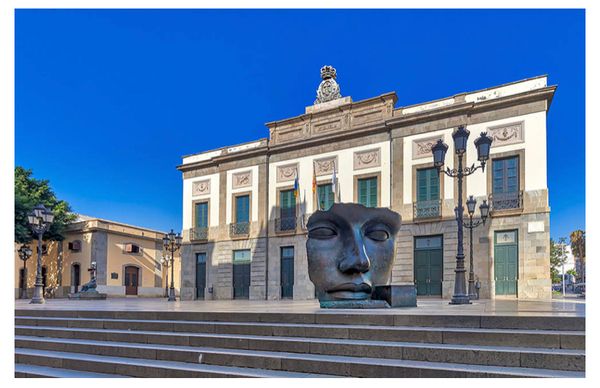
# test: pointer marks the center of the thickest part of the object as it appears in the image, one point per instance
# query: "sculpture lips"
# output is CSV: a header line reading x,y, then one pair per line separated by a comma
x,y
353,287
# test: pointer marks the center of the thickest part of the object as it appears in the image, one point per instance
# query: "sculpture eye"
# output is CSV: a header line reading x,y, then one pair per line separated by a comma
x,y
322,232
377,235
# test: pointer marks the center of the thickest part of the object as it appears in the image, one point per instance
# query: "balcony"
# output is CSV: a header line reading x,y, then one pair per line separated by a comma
x,y
286,224
427,209
239,229
506,201
199,234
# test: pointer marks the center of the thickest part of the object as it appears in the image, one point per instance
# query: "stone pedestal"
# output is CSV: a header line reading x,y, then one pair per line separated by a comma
x,y
397,295
88,295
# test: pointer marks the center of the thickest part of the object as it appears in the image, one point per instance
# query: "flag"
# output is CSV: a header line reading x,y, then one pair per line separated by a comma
x,y
314,188
334,183
296,187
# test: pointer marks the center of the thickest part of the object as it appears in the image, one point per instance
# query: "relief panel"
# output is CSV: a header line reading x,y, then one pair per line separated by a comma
x,y
325,166
367,159
201,188
241,179
421,148
287,173
507,134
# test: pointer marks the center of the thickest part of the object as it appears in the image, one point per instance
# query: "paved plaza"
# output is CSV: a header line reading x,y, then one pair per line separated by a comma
x,y
574,308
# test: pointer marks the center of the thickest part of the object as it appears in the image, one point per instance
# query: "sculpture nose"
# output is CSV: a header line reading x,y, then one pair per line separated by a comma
x,y
355,258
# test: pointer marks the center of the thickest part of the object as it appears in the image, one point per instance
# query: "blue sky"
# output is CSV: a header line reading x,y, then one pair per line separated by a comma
x,y
118,96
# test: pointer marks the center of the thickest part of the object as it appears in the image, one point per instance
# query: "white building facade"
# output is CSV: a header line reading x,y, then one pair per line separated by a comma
x,y
245,207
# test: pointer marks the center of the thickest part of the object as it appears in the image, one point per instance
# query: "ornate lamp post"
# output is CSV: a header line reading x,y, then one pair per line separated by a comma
x,y
483,143
40,220
24,254
165,263
484,209
172,243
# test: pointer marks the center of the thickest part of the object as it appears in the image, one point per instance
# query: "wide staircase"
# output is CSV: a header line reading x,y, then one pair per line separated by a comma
x,y
88,343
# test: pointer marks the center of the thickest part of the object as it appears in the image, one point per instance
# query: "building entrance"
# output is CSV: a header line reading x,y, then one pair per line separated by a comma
x,y
506,252
287,272
200,275
428,265
131,280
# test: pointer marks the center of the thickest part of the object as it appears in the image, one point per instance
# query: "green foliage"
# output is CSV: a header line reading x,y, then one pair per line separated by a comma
x,y
558,257
28,193
572,272
578,243
555,275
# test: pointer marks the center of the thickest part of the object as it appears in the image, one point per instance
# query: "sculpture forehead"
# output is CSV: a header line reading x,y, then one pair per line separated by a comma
x,y
353,213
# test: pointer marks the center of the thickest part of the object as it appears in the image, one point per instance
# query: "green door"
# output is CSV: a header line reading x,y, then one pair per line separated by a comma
x,y
429,265
506,255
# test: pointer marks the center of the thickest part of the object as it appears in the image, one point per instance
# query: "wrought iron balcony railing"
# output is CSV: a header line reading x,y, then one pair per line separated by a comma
x,y
199,234
286,224
239,229
427,209
506,201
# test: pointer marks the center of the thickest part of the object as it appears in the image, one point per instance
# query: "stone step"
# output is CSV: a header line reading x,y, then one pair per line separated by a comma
x,y
274,362
22,370
460,354
141,367
389,317
470,336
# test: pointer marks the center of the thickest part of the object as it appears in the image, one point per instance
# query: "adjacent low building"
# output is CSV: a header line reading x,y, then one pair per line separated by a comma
x,y
245,206
128,260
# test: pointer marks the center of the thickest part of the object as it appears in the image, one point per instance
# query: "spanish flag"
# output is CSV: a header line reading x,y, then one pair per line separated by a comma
x,y
296,187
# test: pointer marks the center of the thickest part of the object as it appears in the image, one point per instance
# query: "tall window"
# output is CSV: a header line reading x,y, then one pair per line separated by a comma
x,y
201,215
367,192
505,183
428,193
242,209
287,203
324,196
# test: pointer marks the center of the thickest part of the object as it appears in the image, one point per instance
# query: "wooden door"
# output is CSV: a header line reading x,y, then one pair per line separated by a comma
x,y
131,280
428,265
506,262
287,272
76,280
200,275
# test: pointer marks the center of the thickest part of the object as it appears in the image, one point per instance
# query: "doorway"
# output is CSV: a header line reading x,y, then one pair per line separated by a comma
x,y
76,277
131,280
200,275
241,274
506,260
428,265
287,272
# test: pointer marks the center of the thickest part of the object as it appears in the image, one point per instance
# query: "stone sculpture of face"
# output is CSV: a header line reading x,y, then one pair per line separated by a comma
x,y
350,250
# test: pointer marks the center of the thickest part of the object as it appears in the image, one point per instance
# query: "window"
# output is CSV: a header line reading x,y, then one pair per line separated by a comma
x,y
324,196
367,191
75,246
132,248
241,256
428,193
201,214
287,203
505,184
242,209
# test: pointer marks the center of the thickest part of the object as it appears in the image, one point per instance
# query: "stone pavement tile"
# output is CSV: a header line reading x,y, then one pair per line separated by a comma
x,y
553,361
572,341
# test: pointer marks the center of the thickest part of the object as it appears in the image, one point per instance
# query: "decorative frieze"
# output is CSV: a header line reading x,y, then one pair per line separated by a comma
x,y
367,159
507,134
422,148
241,179
201,188
287,173
325,166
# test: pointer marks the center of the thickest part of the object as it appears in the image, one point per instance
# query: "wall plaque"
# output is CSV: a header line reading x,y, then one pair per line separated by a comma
x,y
241,179
325,166
201,187
507,134
287,173
421,148
367,159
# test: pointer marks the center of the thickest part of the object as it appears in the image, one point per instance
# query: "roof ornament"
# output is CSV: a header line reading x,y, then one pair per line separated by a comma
x,y
328,88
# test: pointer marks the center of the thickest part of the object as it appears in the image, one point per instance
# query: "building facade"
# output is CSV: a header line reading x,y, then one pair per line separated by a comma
x,y
245,206
128,260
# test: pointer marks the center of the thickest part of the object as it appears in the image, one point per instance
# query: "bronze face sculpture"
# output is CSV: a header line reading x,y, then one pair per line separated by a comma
x,y
350,251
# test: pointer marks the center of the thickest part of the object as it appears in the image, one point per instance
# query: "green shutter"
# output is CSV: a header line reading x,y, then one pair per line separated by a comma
x,y
325,196
287,202
367,192
242,208
202,215
428,185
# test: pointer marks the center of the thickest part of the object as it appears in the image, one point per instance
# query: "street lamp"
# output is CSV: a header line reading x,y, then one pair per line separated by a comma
x,y
484,209
24,254
172,243
165,263
40,220
483,143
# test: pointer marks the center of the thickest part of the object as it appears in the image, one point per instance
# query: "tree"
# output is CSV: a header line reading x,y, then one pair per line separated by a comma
x,y
578,249
557,258
572,272
28,193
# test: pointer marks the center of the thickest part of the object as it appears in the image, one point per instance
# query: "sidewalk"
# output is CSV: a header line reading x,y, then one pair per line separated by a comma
x,y
562,307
